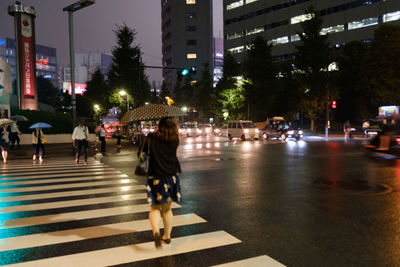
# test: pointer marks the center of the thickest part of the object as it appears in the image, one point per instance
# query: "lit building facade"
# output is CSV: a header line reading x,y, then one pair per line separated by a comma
x,y
279,22
187,37
46,60
85,65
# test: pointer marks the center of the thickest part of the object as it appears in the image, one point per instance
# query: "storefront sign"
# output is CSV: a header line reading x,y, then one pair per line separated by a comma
x,y
388,110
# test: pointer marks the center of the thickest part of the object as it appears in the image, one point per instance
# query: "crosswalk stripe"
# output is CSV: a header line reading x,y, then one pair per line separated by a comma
x,y
30,164
57,171
73,203
45,239
52,168
77,215
50,187
139,252
44,175
125,188
260,261
69,179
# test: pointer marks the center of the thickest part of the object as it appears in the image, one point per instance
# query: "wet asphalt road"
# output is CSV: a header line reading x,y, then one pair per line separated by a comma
x,y
307,203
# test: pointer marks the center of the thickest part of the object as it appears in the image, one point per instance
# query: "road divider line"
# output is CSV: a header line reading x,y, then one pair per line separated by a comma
x,y
259,261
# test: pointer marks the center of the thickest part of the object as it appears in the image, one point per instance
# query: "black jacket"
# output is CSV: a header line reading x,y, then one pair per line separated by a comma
x,y
163,159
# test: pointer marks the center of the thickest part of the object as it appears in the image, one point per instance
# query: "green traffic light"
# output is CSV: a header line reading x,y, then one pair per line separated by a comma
x,y
185,72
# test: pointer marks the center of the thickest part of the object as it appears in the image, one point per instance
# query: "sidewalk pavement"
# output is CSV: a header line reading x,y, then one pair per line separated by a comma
x,y
63,149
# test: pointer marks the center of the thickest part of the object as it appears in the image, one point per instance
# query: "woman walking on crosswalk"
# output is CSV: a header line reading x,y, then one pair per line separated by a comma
x,y
163,182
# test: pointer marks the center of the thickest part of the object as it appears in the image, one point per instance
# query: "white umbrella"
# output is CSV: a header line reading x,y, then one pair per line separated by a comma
x,y
5,121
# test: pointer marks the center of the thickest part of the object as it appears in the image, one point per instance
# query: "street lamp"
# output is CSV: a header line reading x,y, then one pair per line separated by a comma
x,y
96,108
123,93
71,9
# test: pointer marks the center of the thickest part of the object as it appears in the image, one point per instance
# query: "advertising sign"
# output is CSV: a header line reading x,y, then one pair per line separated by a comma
x,y
80,88
27,56
388,110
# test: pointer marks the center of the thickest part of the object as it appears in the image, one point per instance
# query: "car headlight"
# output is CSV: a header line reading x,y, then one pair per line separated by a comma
x,y
300,132
246,130
198,130
290,132
257,131
189,130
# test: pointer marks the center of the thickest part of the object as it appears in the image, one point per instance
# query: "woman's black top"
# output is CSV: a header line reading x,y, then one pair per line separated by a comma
x,y
163,159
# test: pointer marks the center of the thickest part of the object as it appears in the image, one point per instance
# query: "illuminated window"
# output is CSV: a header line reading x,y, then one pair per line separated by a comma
x,y
235,50
391,16
254,31
294,38
363,23
332,29
190,2
233,36
250,1
301,18
234,5
280,40
191,56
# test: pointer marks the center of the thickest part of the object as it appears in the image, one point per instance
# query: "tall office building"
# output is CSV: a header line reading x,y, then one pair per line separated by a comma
x,y
187,37
279,22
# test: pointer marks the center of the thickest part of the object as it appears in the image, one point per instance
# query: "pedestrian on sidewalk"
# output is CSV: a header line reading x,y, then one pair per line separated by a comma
x,y
117,134
80,141
346,129
4,141
102,137
163,185
14,135
38,144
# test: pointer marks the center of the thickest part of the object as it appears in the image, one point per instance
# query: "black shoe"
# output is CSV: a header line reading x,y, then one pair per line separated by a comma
x,y
157,240
167,241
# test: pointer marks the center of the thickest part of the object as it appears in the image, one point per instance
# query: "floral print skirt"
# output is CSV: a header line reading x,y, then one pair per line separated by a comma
x,y
162,190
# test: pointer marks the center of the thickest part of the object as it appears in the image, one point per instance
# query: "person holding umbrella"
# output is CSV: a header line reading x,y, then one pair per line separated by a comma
x,y
80,139
14,135
38,144
38,139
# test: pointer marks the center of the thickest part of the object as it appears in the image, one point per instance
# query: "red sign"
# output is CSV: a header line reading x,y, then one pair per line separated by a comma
x,y
42,63
80,88
28,73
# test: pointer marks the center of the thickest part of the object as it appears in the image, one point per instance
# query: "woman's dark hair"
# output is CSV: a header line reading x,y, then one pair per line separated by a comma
x,y
168,130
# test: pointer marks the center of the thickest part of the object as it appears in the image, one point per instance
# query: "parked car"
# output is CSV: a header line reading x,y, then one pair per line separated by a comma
x,y
373,129
205,129
280,130
189,129
242,129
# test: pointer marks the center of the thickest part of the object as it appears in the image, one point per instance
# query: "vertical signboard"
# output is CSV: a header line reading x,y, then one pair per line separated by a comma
x,y
28,58
24,20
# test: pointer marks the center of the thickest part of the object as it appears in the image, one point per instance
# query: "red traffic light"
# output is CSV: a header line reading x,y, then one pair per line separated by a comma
x,y
334,104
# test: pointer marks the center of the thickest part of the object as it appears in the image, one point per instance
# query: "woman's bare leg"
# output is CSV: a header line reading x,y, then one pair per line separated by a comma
x,y
155,217
167,219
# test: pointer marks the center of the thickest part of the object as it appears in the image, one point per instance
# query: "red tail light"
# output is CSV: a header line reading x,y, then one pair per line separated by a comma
x,y
398,140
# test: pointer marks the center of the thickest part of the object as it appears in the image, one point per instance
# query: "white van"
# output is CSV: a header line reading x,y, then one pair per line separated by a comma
x,y
242,129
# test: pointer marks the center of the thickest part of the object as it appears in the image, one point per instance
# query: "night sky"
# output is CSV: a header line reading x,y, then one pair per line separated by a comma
x,y
94,26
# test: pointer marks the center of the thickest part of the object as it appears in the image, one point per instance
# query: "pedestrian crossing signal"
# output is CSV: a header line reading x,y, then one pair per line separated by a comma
x,y
184,72
334,104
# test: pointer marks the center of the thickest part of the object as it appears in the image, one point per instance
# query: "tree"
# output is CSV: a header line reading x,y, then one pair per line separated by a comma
x,y
312,59
97,90
353,101
127,70
116,100
47,92
232,101
260,76
231,69
205,97
381,78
